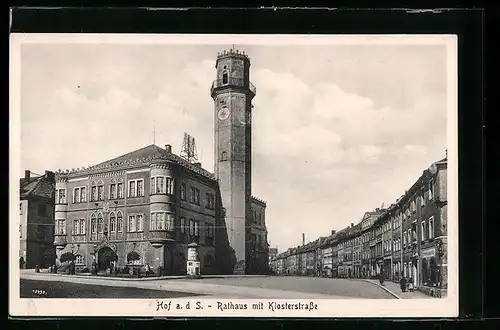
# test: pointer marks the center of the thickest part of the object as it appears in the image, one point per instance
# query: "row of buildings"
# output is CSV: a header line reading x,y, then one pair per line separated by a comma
x,y
408,238
143,208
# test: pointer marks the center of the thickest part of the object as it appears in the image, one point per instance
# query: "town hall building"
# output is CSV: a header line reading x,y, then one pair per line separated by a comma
x,y
143,208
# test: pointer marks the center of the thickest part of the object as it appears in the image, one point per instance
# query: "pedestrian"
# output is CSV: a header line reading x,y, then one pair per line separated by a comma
x,y
381,278
411,287
402,283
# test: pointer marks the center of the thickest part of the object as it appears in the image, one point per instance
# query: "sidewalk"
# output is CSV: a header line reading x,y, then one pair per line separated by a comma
x,y
114,278
213,290
395,290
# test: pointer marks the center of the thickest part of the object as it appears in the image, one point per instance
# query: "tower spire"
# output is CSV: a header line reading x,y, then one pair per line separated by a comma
x,y
154,131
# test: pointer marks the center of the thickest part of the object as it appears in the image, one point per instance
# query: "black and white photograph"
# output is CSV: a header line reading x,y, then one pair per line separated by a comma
x,y
233,175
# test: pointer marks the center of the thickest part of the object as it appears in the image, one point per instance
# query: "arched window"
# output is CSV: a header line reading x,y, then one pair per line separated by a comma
x,y
93,223
119,222
223,156
224,77
425,271
79,260
133,258
100,190
100,223
112,222
93,191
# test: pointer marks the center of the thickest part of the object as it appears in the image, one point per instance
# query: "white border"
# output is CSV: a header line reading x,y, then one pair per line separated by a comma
x,y
445,307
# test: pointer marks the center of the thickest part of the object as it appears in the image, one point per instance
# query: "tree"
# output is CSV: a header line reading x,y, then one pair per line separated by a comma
x,y
66,257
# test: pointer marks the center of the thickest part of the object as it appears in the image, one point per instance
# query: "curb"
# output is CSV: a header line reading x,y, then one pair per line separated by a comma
x,y
382,287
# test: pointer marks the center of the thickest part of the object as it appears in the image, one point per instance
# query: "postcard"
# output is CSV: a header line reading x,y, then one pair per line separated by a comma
x,y
233,175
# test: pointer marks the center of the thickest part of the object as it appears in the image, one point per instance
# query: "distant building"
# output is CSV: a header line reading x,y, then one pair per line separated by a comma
x,y
273,252
408,238
36,228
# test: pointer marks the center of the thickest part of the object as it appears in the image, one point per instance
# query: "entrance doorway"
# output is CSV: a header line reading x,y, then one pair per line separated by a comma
x,y
105,257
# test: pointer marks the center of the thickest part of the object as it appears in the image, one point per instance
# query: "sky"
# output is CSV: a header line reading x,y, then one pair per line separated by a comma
x,y
338,130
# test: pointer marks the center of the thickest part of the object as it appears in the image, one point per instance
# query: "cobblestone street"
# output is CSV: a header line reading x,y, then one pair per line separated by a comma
x,y
266,287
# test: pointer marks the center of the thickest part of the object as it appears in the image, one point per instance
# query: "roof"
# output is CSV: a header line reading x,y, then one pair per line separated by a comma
x,y
140,157
38,186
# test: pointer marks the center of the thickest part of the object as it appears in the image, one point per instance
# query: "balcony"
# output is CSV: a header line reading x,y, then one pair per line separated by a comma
x,y
233,82
60,241
158,238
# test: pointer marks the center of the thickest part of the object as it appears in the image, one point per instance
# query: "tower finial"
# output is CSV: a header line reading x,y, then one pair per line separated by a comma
x,y
154,131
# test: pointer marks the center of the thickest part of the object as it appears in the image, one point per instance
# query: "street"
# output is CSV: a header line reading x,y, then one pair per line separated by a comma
x,y
52,289
327,286
265,287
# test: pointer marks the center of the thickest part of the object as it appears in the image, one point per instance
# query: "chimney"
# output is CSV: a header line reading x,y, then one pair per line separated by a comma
x,y
168,147
303,239
333,232
197,164
352,225
27,174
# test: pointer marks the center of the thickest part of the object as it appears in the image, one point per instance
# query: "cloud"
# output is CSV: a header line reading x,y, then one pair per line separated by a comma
x,y
324,152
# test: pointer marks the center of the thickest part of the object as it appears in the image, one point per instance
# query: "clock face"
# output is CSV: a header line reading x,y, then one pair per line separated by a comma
x,y
223,113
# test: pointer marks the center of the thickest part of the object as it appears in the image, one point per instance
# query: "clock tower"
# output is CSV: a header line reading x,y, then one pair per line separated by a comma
x,y
232,93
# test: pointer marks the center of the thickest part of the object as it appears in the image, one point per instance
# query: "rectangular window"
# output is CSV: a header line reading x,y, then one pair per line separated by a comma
x,y
131,189
131,223
76,195
93,193
153,185
183,225
196,228
160,185
195,196
136,188
160,221
60,196
140,188
191,227
76,227
112,191
83,194
431,227
152,222
100,192
60,227
183,191
423,231
170,186
169,221
138,224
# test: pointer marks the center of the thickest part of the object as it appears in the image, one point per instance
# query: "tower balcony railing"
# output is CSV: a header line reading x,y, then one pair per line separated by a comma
x,y
238,82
